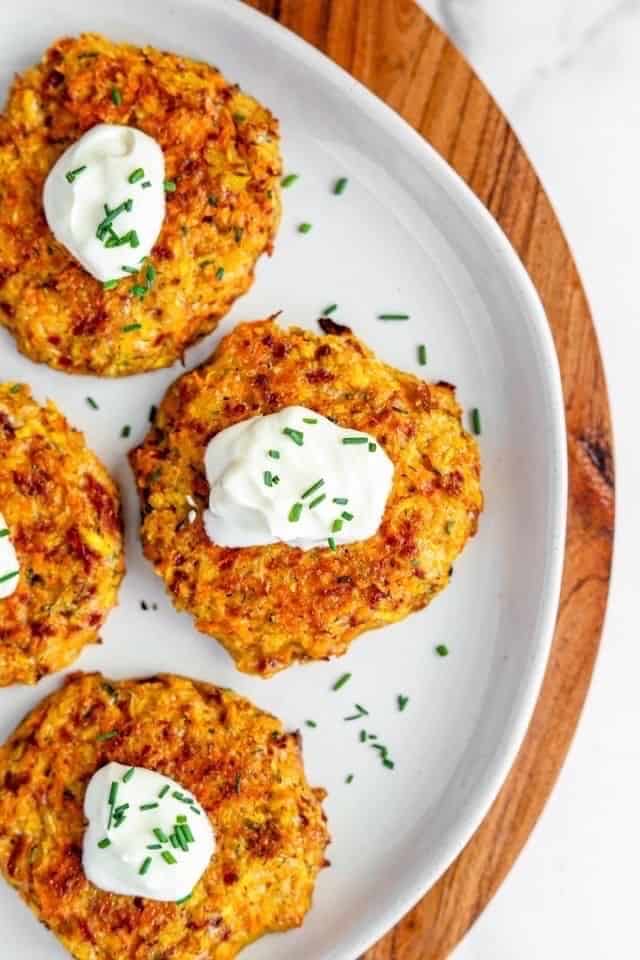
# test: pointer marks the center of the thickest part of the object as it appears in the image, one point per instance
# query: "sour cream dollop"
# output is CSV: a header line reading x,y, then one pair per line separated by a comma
x,y
297,478
147,836
9,563
110,166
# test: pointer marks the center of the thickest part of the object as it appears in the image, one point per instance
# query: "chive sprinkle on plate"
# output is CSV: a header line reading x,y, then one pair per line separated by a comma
x,y
354,440
422,355
72,174
442,650
126,431
116,96
402,702
340,185
135,175
304,228
169,186
330,309
290,179
476,424
341,681
393,316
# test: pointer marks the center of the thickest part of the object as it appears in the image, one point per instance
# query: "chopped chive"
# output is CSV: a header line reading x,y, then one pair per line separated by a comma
x,y
290,179
330,309
130,327
181,818
182,843
476,425
184,899
107,736
72,174
296,435
154,846
146,863
4,533
336,526
361,713
332,543
168,857
169,186
442,650
294,513
346,515
219,273
274,454
311,723
146,184
110,284
363,736
341,681
349,778
144,605
113,793
239,117
16,388
402,702
388,763
129,269
340,185
152,412
148,806
312,489
9,576
121,810
127,776
104,843
314,503
164,791
422,355
373,736
354,440
178,795
126,431
373,447
342,501
186,830
270,479
393,316
160,835
304,228
309,420
173,841
136,175
116,96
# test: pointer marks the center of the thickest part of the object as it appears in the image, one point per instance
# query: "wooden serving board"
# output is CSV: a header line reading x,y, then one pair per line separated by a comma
x,y
393,48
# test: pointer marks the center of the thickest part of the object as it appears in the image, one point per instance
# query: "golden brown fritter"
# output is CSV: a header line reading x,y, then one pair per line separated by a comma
x,y
243,769
273,605
63,511
221,150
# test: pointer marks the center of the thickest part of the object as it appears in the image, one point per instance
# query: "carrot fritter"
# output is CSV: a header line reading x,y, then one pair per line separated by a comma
x,y
221,150
243,769
63,510
271,606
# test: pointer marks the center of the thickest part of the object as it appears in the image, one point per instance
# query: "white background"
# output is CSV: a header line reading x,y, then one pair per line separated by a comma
x,y
567,74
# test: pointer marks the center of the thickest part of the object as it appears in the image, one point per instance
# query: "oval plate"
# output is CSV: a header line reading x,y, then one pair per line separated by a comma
x,y
407,235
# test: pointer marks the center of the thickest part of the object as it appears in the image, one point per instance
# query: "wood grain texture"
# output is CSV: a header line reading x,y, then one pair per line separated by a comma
x,y
396,50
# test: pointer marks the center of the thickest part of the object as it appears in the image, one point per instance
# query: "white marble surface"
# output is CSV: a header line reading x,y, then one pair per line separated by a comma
x,y
567,73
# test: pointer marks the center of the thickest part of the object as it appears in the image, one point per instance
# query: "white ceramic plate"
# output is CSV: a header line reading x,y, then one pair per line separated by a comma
x,y
406,235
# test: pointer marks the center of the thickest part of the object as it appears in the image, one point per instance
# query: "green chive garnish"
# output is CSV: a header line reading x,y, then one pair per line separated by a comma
x,y
341,681
476,425
342,501
313,488
139,291
126,431
422,355
121,810
109,284
332,543
372,447
181,819
107,736
346,515
146,184
149,806
361,713
113,793
136,175
160,835
132,326
103,844
402,702
304,228
164,791
289,180
168,857
72,174
311,723
146,863
9,576
269,479
127,776
129,269
294,513
4,533
182,843
349,779
336,525
274,454
154,846
340,185
170,186
186,829
16,388
173,841
330,309
152,412
116,96
309,420
314,503
219,273
354,440
393,316
296,435
388,763
442,650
